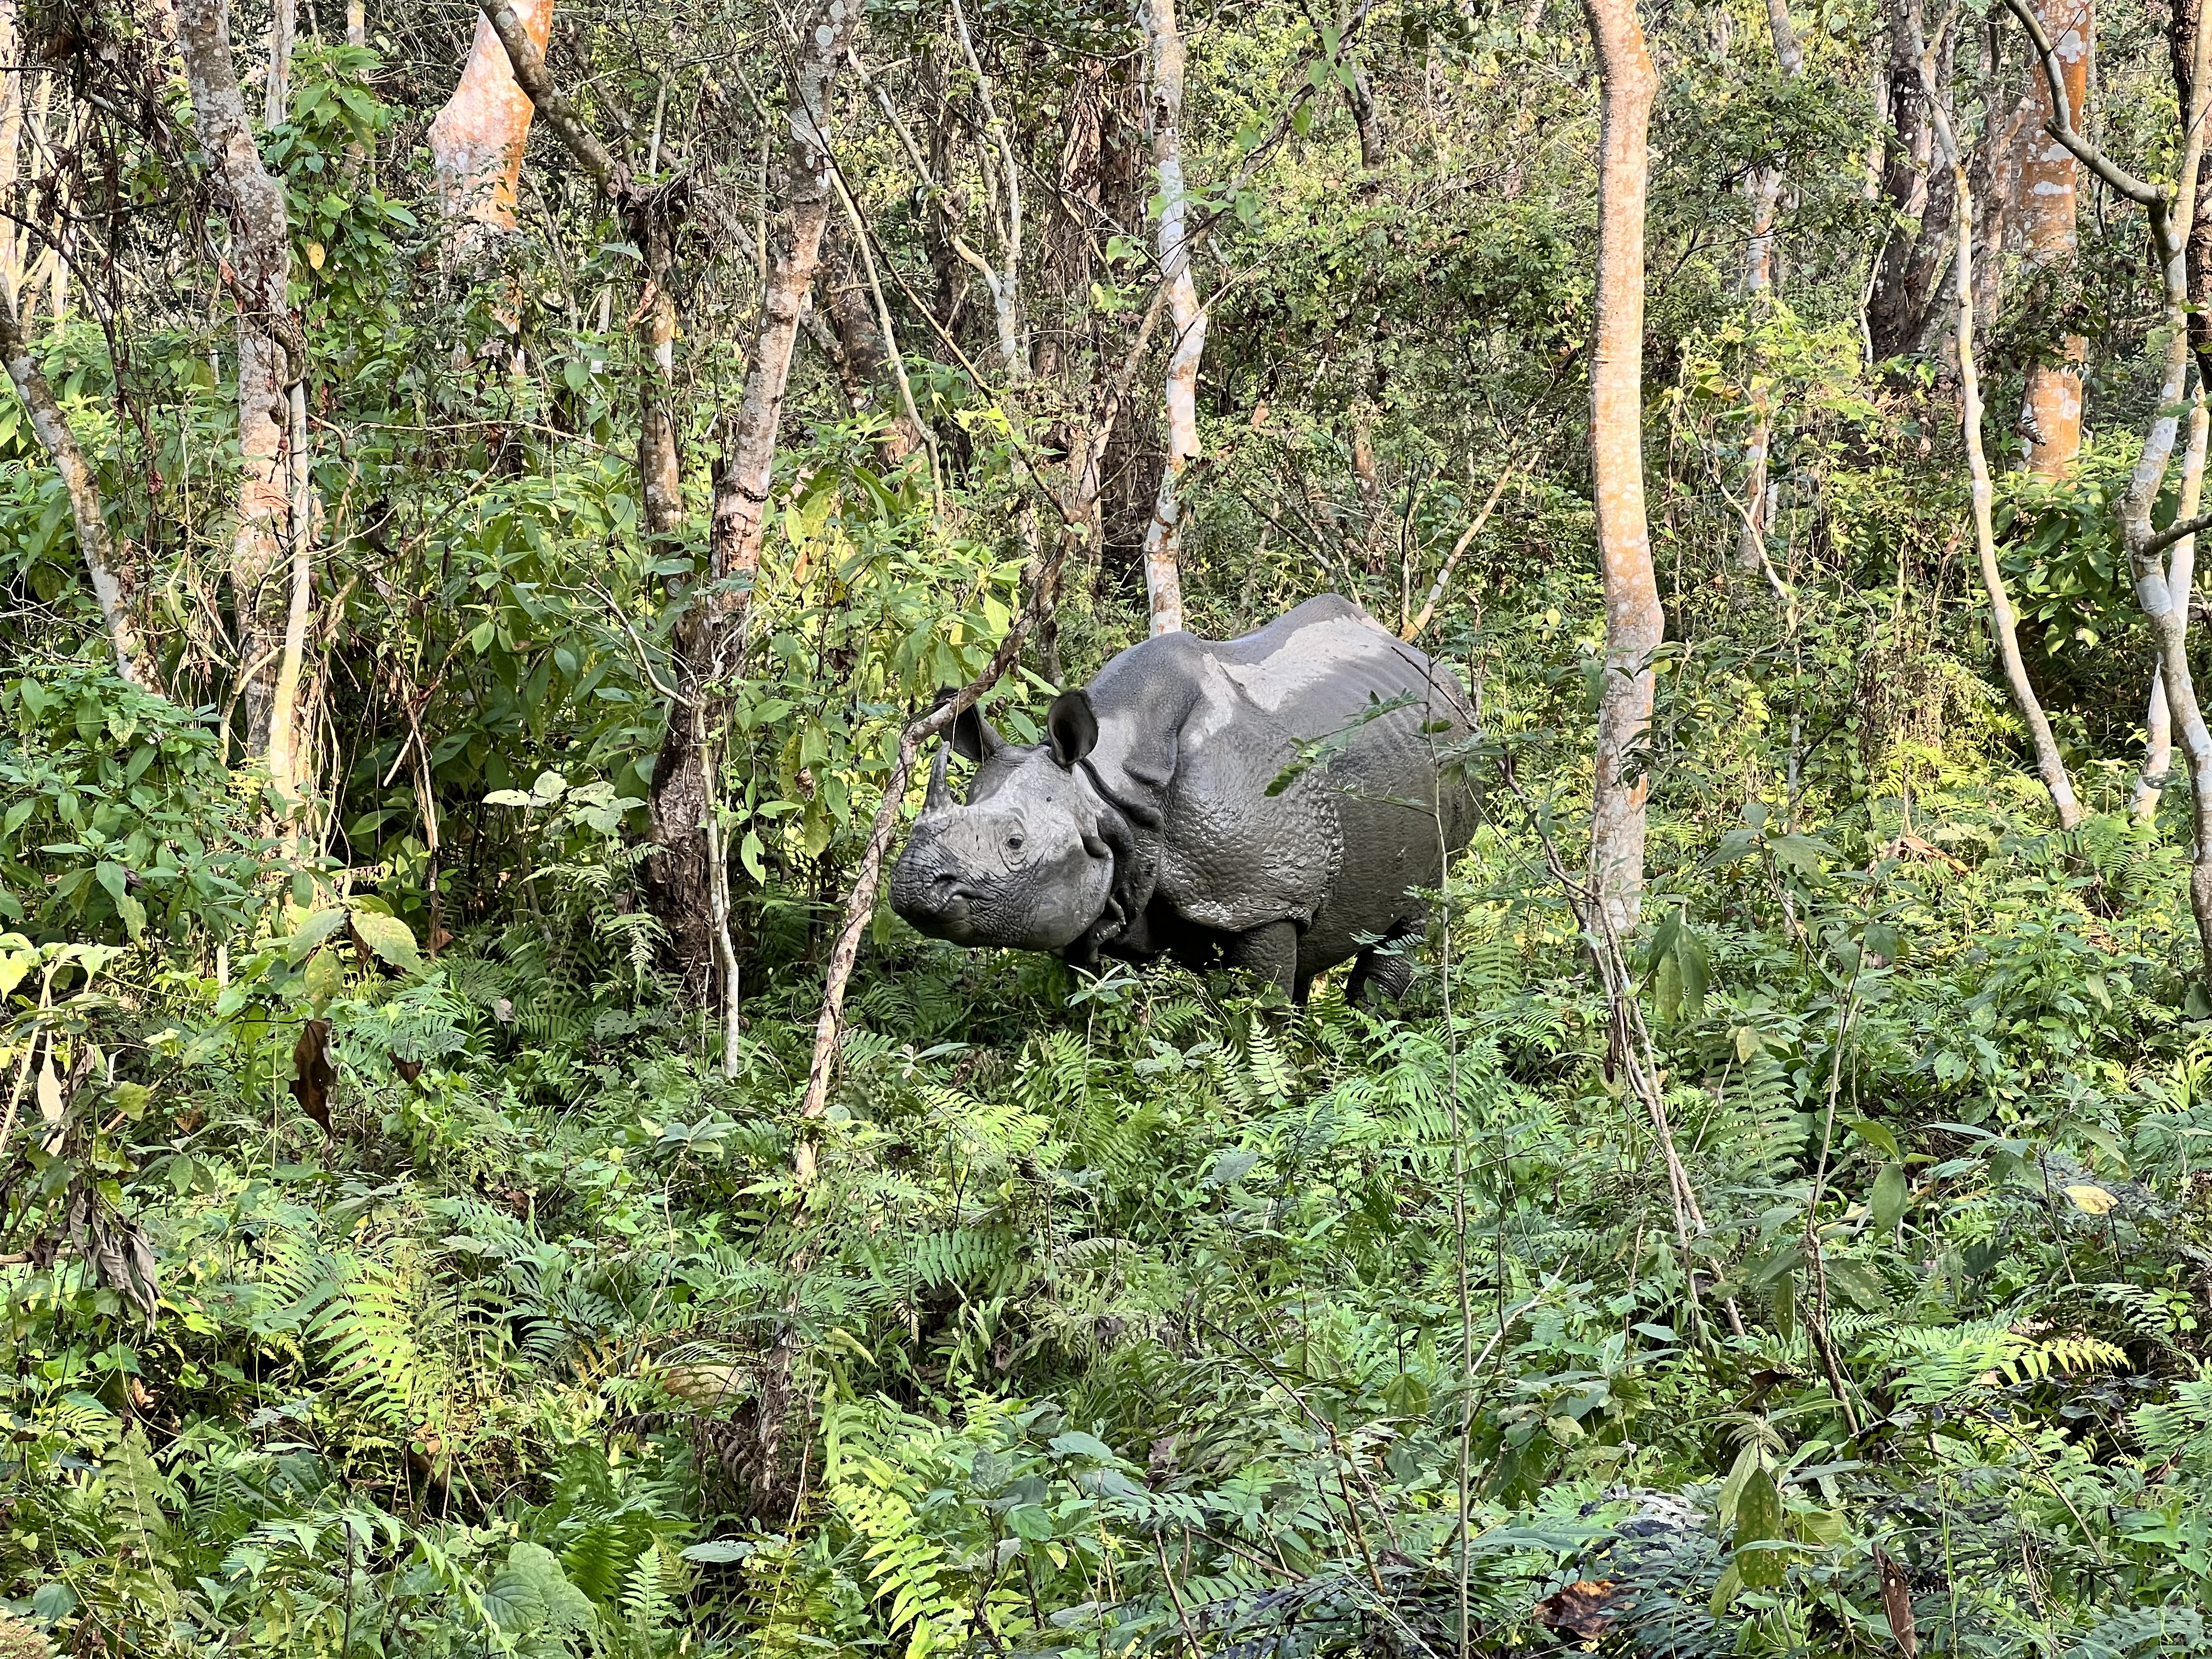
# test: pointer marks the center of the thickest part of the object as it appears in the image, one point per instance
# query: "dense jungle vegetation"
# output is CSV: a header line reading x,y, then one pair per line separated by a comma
x,y
481,589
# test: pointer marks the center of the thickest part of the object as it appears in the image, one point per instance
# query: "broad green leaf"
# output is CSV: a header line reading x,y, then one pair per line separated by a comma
x,y
391,939
1858,1281
1876,1136
311,933
1885,1204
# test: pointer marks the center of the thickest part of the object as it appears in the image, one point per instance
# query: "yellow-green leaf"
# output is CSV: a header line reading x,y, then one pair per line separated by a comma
x,y
2092,1200
390,938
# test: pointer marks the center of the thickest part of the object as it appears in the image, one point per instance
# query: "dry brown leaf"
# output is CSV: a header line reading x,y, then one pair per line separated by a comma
x,y
1583,1608
1897,1604
1909,845
315,1076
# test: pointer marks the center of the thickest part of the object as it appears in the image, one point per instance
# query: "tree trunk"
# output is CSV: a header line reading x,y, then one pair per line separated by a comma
x,y
276,90
11,145
2164,600
2043,202
2180,40
1002,282
272,356
92,538
660,467
1634,624
648,214
1163,536
2048,762
38,92
1765,187
1912,261
476,140
2180,580
854,344
710,638
1366,119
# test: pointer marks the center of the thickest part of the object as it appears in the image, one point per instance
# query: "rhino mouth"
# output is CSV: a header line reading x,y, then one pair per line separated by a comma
x,y
942,907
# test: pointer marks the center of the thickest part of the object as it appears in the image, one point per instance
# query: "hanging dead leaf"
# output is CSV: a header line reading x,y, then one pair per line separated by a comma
x,y
1909,845
1897,1604
1582,1609
409,1070
315,1076
115,1249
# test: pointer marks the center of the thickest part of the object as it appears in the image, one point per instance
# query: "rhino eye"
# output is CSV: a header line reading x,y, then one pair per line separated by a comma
x,y
1014,843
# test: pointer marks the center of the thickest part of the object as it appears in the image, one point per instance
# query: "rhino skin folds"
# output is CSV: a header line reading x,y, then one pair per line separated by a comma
x,y
1142,826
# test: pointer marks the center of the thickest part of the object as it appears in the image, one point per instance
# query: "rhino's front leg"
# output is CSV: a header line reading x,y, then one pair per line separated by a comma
x,y
1272,952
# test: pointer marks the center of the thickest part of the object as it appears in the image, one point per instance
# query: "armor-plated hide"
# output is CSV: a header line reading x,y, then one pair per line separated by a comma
x,y
1143,825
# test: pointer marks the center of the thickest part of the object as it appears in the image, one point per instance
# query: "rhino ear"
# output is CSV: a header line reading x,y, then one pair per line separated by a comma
x,y
973,739
1072,727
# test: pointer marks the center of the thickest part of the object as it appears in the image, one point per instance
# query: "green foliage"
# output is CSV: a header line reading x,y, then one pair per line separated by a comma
x,y
1128,1313
121,814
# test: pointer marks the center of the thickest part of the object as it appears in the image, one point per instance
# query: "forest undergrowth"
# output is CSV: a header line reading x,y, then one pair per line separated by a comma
x,y
1130,1311
454,648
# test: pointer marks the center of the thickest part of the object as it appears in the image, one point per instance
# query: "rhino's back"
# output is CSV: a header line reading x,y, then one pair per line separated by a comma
x,y
1317,670
1205,727
1317,667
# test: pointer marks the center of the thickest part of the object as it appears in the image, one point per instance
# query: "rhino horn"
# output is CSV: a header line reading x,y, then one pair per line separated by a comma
x,y
939,796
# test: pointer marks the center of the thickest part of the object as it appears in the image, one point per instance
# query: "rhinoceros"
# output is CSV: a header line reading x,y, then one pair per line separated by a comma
x,y
1275,801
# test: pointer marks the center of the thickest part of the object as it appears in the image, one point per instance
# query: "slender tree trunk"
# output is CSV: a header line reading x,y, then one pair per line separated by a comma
x,y
1634,625
276,90
660,466
710,638
2164,599
356,151
2180,39
11,146
1766,190
1003,281
92,538
2180,581
272,356
1366,119
38,94
1163,536
2048,762
855,342
1903,294
649,213
476,140
2044,190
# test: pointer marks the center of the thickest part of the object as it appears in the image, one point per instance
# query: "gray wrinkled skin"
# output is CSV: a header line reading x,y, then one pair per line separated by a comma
x,y
1143,826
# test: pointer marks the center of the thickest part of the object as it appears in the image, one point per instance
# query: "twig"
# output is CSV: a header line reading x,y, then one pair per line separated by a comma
x,y
1413,630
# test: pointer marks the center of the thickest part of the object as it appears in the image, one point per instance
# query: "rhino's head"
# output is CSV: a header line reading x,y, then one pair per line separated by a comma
x,y
1022,864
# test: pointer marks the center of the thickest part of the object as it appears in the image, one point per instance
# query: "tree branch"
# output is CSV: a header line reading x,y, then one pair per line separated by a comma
x,y
2180,530
92,537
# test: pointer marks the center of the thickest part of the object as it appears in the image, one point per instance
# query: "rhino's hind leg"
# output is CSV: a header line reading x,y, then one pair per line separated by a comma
x,y
1386,965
